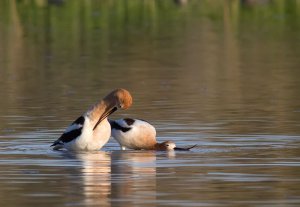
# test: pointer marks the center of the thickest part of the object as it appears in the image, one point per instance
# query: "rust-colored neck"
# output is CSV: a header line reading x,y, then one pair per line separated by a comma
x,y
97,110
159,146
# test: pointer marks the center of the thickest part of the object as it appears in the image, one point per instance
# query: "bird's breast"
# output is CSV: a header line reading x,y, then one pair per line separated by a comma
x,y
101,134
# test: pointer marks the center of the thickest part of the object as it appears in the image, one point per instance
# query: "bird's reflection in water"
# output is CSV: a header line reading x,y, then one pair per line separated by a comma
x,y
133,175
123,178
96,175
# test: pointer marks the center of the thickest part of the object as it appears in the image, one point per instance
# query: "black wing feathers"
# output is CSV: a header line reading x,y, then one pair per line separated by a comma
x,y
115,125
78,121
73,131
129,121
69,136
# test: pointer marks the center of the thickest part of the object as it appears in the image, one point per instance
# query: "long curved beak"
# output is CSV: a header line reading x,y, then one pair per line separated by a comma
x,y
106,113
184,148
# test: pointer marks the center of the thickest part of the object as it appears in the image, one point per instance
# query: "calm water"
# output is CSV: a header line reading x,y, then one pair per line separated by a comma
x,y
220,74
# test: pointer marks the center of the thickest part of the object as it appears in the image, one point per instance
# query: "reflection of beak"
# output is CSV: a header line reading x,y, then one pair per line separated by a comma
x,y
106,113
184,149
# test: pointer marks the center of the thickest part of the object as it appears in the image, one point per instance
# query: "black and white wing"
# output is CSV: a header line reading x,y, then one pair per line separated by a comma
x,y
123,125
71,133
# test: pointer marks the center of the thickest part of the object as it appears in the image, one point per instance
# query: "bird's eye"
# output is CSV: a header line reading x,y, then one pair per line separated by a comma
x,y
167,145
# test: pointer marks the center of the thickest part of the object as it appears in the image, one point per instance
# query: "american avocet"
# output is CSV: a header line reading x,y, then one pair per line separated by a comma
x,y
138,134
92,130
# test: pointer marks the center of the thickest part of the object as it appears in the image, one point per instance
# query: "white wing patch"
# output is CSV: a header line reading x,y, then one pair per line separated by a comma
x,y
73,127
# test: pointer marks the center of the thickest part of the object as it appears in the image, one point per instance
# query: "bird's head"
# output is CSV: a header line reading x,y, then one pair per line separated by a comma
x,y
118,98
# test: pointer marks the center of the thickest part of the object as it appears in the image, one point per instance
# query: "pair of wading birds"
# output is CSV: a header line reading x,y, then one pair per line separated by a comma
x,y
92,130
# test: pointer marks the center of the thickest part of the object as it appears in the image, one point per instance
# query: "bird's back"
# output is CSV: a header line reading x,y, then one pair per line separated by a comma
x,y
134,133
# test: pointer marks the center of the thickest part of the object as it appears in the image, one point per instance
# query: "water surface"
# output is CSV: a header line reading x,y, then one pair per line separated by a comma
x,y
220,74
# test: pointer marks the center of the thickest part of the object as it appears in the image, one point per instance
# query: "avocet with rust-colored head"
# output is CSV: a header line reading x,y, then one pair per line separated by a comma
x,y
139,135
92,130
